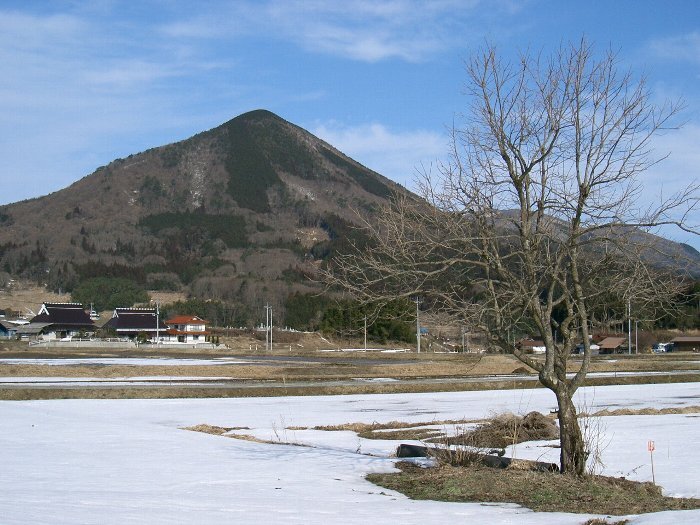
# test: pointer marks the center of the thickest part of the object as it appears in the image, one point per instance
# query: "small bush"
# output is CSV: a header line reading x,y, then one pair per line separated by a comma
x,y
509,429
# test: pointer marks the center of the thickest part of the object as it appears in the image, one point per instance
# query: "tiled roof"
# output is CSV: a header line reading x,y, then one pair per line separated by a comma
x,y
612,342
186,319
133,319
63,314
32,328
128,311
8,326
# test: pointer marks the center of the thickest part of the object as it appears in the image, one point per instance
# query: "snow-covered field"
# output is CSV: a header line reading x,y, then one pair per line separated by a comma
x,y
129,461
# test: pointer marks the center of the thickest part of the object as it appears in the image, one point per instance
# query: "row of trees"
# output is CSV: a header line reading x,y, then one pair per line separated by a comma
x,y
395,321
344,318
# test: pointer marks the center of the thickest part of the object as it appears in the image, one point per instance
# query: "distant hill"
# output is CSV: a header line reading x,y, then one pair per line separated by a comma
x,y
243,212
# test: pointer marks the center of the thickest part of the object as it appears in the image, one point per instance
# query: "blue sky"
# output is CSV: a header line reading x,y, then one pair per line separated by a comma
x,y
83,83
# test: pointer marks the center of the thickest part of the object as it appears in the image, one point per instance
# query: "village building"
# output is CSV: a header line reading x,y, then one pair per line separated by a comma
x,y
8,330
686,344
613,345
186,329
130,322
59,321
532,346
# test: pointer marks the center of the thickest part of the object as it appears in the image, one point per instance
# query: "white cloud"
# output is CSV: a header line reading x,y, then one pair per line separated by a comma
x,y
401,155
678,48
362,30
396,155
371,31
25,31
122,74
76,92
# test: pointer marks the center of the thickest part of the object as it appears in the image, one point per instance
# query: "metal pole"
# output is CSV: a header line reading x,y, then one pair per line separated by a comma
x,y
270,328
267,327
417,326
157,322
365,332
629,326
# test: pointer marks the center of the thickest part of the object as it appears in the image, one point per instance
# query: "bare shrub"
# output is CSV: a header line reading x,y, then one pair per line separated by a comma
x,y
209,429
595,439
509,429
461,453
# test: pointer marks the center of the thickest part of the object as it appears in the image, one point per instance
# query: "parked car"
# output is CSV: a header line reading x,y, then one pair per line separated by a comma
x,y
579,349
658,348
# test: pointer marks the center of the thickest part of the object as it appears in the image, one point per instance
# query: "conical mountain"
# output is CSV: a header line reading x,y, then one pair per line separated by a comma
x,y
248,206
244,212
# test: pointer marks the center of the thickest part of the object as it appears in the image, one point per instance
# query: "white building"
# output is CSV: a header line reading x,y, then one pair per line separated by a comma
x,y
186,329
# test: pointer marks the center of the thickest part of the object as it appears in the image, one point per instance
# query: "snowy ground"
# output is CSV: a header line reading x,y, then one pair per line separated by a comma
x,y
128,461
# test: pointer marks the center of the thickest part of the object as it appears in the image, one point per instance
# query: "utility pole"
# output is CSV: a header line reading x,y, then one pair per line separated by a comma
x,y
417,300
629,326
268,312
157,323
365,333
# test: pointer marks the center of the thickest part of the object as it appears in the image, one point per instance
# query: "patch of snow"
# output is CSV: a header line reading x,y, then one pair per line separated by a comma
x,y
383,350
375,379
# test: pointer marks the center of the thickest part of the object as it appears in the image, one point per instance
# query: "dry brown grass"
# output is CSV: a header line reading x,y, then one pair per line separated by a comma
x,y
208,429
224,431
604,521
27,296
254,439
312,376
508,429
396,430
646,411
163,297
539,491
325,369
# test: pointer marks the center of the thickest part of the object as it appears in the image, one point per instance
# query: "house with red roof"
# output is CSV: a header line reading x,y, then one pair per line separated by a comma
x,y
186,329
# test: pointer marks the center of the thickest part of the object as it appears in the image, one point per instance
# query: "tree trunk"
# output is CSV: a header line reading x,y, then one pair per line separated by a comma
x,y
573,453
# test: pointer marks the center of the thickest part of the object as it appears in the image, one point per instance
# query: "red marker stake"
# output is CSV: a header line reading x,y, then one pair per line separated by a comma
x,y
651,448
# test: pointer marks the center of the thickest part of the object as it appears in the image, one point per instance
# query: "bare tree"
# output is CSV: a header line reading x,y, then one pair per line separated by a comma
x,y
535,223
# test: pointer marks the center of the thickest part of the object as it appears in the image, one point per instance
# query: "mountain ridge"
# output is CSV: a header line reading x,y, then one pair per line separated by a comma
x,y
242,210
244,213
